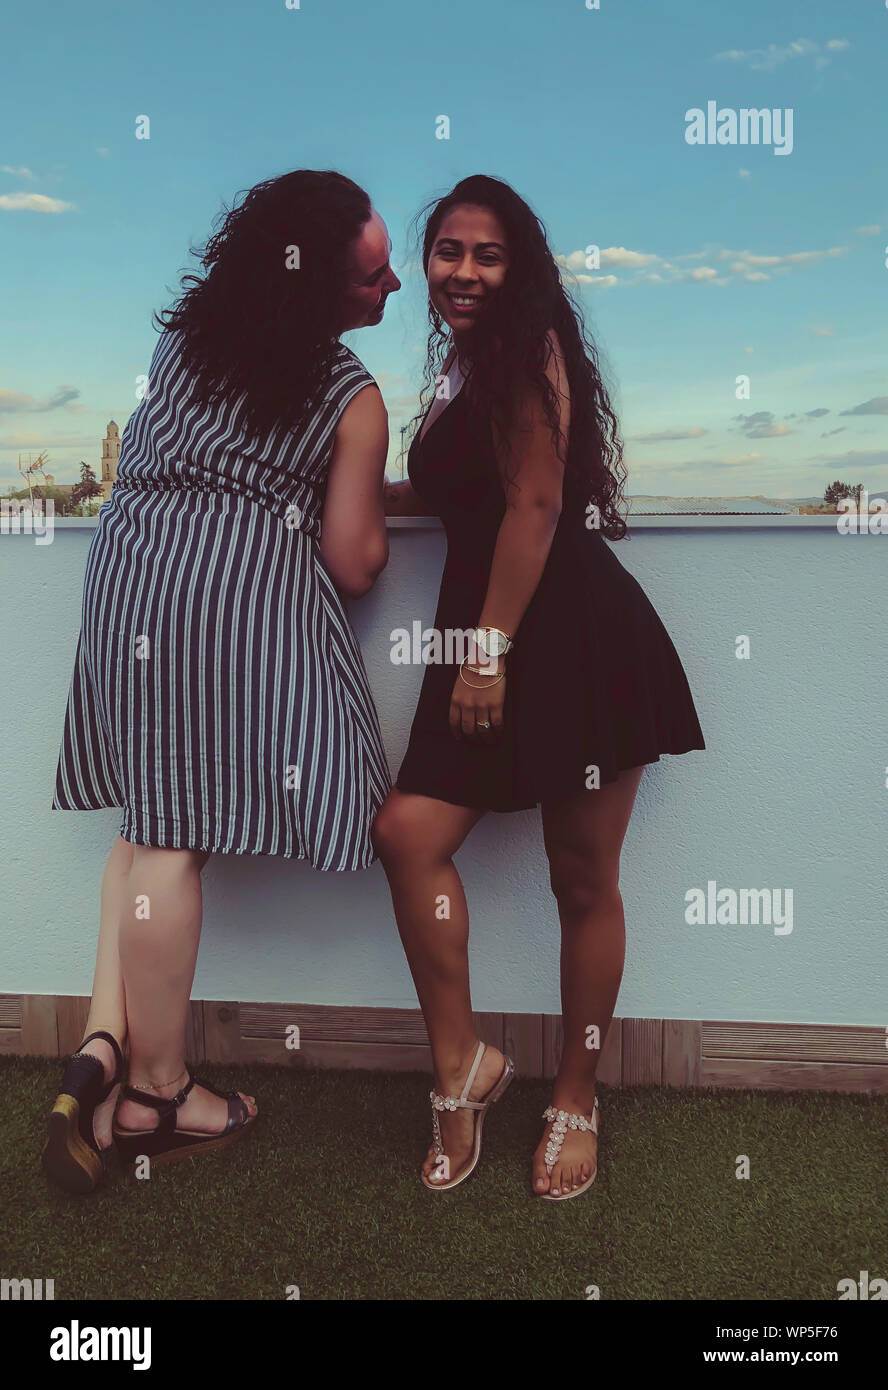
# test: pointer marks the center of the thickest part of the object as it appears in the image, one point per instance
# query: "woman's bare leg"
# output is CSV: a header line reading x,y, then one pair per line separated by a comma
x,y
159,937
584,836
415,838
107,1008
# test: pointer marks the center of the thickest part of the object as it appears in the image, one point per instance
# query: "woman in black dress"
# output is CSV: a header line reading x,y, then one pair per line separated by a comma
x,y
570,682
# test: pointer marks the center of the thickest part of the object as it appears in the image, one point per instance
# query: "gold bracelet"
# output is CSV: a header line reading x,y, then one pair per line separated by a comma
x,y
484,684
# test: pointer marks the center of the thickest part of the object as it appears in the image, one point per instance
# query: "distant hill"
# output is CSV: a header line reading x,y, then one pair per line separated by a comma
x,y
813,501
646,505
643,504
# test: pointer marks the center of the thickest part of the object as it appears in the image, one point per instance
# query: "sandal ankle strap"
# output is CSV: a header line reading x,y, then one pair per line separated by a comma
x,y
163,1104
461,1102
119,1065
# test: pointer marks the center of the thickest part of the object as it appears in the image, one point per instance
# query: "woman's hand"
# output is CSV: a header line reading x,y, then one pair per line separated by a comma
x,y
476,711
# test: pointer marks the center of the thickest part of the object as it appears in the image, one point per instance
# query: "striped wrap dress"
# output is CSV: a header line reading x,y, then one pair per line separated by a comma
x,y
219,695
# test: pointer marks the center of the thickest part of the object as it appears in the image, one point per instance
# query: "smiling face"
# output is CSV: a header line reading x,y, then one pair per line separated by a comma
x,y
467,266
371,278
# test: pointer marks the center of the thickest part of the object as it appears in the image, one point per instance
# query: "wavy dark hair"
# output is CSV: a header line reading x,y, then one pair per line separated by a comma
x,y
509,350
250,325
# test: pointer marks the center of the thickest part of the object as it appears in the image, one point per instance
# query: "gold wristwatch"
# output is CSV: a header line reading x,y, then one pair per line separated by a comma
x,y
492,641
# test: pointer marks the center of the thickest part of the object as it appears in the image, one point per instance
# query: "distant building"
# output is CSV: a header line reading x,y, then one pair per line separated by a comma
x,y
64,488
110,455
108,473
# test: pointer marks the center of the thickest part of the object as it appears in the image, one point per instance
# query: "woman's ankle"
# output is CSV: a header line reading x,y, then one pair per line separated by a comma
x,y
452,1070
102,1051
153,1082
575,1099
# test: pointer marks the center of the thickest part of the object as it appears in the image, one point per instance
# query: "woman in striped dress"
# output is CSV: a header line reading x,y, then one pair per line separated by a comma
x,y
218,694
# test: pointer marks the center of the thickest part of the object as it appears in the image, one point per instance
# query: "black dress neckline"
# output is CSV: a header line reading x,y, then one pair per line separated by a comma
x,y
421,438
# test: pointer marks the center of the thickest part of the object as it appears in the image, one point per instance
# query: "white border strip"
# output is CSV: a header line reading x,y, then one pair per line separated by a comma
x,y
717,521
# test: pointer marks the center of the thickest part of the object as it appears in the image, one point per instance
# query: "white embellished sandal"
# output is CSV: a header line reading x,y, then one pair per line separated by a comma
x,y
444,1182
562,1121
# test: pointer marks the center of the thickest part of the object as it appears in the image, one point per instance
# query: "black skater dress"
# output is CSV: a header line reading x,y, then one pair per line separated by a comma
x,y
594,684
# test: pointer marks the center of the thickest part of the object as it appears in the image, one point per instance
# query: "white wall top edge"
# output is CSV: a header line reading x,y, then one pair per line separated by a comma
x,y
747,521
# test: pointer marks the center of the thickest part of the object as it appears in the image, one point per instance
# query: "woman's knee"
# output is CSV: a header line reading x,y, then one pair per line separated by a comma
x,y
583,884
393,829
402,831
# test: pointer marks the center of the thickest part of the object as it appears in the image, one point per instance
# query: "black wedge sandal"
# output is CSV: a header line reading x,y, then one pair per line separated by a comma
x,y
71,1158
166,1143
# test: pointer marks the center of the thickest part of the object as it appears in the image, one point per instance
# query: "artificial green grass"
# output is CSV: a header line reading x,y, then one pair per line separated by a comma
x,y
325,1195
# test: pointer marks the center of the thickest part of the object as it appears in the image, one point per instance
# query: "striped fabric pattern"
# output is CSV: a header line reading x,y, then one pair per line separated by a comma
x,y
219,694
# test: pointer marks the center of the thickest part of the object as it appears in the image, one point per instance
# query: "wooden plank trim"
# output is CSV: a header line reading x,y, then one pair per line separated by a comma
x,y
677,1052
642,1051
795,1042
329,1023
682,1051
344,1056
764,1075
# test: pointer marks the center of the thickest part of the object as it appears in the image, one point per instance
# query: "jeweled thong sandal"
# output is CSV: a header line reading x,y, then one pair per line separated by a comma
x,y
462,1102
562,1121
71,1157
166,1143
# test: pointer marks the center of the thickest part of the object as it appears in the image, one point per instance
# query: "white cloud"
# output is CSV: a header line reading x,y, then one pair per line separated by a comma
x,y
645,267
20,171
31,440
602,281
856,458
612,257
32,202
719,461
793,258
19,403
766,59
761,424
660,435
619,256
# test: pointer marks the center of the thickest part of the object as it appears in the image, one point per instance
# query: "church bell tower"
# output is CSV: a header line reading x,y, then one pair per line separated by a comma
x,y
110,455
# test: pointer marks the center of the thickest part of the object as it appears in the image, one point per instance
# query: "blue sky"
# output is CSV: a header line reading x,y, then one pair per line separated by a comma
x,y
717,260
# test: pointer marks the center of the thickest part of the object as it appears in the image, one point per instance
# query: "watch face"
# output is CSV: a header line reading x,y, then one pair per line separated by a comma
x,y
494,643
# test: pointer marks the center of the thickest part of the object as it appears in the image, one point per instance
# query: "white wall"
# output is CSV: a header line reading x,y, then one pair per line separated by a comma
x,y
790,793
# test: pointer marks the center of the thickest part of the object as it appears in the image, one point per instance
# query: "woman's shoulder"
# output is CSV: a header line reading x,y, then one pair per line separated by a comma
x,y
348,378
348,368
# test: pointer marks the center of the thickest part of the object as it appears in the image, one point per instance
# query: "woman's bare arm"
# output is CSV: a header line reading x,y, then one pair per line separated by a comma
x,y
402,499
533,477
533,505
354,543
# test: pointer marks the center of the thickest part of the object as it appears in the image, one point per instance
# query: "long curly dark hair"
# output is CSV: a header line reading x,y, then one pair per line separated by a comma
x,y
509,351
250,324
